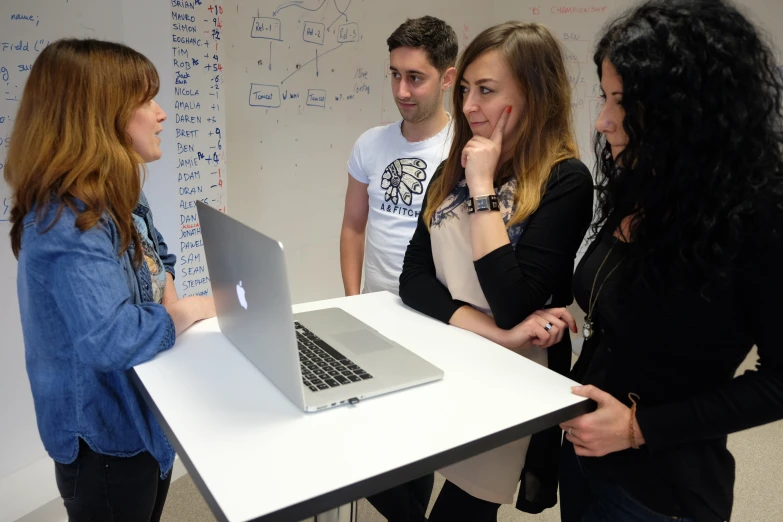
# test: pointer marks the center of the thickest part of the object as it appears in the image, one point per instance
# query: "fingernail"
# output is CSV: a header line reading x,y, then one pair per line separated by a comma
x,y
576,388
508,110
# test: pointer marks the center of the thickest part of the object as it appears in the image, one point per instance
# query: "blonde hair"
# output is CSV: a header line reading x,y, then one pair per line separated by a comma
x,y
545,136
70,141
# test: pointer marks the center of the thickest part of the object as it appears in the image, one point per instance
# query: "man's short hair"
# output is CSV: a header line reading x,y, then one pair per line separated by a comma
x,y
433,35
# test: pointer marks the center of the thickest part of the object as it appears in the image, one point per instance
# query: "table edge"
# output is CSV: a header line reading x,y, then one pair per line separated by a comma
x,y
313,506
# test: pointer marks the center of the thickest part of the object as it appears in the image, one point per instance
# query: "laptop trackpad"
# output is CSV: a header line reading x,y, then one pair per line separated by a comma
x,y
361,341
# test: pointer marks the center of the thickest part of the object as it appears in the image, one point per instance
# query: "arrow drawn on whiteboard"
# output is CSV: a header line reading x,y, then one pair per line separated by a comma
x,y
316,62
342,13
270,55
296,3
311,61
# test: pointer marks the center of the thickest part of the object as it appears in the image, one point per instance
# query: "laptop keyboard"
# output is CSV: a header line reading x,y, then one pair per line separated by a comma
x,y
323,367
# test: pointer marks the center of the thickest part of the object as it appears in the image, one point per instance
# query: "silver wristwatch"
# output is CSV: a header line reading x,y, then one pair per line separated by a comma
x,y
486,202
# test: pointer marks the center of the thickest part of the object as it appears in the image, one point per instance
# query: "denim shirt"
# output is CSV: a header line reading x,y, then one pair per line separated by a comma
x,y
87,318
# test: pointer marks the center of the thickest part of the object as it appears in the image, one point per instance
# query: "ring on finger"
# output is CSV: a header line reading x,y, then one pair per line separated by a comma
x,y
548,326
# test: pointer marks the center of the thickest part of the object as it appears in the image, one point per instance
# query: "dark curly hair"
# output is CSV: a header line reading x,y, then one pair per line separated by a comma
x,y
431,34
704,160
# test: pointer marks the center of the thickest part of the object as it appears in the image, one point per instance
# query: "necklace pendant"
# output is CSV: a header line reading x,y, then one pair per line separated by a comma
x,y
587,329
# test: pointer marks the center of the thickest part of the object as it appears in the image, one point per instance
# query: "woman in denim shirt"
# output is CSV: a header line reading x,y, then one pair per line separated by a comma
x,y
95,280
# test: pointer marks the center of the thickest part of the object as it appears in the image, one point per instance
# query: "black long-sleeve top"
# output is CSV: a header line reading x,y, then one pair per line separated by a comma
x,y
516,282
679,353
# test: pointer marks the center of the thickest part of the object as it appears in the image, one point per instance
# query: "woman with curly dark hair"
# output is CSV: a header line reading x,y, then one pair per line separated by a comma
x,y
683,276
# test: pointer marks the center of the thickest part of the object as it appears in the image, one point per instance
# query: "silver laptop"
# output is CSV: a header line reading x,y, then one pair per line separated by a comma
x,y
318,359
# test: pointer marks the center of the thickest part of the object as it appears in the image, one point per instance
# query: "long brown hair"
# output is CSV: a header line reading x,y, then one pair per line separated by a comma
x,y
69,139
545,136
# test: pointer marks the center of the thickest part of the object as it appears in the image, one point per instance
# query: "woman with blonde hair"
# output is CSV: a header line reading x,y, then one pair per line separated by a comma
x,y
95,280
502,220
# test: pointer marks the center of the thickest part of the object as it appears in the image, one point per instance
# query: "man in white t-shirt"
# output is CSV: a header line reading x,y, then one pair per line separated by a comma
x,y
390,166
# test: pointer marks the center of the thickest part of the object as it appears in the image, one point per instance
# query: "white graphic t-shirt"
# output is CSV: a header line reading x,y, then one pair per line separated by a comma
x,y
397,173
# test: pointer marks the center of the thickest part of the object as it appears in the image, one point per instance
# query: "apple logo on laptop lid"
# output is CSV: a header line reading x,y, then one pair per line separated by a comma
x,y
241,295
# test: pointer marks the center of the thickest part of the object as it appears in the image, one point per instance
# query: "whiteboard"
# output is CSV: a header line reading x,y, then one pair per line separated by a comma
x,y
577,23
306,79
199,131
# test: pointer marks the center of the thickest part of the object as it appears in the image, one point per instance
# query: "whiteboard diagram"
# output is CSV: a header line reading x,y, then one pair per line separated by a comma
x,y
311,35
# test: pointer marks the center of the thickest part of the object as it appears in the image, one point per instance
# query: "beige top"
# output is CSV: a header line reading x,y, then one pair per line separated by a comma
x,y
491,476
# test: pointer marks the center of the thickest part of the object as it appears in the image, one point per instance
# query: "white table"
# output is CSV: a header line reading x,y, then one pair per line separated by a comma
x,y
255,456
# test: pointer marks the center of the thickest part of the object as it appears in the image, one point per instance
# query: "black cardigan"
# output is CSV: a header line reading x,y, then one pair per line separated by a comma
x,y
679,353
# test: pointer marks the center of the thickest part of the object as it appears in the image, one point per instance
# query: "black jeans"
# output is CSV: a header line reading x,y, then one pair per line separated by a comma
x,y
101,488
455,504
407,502
591,499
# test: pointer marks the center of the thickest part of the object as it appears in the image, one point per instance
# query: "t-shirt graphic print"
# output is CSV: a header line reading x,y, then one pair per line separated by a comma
x,y
403,178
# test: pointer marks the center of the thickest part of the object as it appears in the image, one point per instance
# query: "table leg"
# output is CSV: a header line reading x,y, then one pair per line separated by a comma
x,y
340,514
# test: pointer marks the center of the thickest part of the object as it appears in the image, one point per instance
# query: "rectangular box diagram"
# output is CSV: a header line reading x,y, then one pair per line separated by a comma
x,y
264,95
313,33
316,98
348,33
267,28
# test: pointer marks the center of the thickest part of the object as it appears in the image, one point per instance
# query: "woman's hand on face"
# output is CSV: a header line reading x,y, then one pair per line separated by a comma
x,y
542,328
480,158
606,430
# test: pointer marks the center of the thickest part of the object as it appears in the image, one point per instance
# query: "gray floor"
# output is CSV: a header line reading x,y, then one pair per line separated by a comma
x,y
758,493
